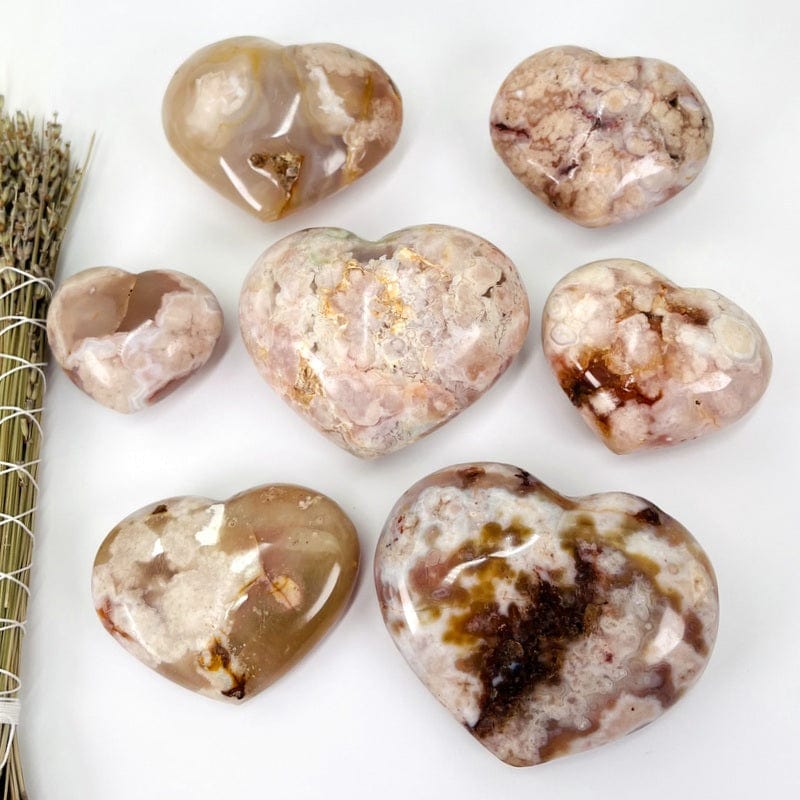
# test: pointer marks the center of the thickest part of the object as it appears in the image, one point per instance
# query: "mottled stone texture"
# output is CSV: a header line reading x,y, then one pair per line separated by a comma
x,y
648,363
378,343
223,598
600,140
128,340
275,129
546,625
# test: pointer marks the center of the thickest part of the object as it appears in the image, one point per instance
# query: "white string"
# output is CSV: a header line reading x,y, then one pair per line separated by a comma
x,y
11,365
27,280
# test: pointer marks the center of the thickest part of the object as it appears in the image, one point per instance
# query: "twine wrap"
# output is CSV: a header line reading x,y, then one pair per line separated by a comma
x,y
22,383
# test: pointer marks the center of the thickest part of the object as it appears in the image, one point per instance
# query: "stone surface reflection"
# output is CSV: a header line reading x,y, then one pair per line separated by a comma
x,y
379,343
648,363
546,625
223,598
129,339
600,140
277,128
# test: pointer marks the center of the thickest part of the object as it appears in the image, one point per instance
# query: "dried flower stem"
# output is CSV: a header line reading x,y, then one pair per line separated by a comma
x,y
38,186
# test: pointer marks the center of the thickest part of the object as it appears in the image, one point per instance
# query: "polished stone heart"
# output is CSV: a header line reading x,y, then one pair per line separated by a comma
x,y
129,340
275,129
378,343
546,625
600,140
648,363
223,598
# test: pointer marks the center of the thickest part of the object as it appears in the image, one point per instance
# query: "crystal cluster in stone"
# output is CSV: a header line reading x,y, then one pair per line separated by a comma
x,y
224,598
600,140
378,343
277,128
129,339
648,363
546,625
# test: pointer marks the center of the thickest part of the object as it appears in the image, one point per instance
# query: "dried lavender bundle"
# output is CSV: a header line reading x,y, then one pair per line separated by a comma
x,y
38,185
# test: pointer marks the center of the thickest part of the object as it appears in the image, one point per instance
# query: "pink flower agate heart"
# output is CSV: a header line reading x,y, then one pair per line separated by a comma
x,y
600,140
379,343
275,129
224,597
129,340
648,363
547,625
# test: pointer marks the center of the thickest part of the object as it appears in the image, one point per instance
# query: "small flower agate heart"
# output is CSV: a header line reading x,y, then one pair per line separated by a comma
x,y
601,140
223,598
546,625
275,129
378,343
128,340
648,363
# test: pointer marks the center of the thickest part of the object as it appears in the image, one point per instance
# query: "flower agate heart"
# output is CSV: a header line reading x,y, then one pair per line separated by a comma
x,y
378,343
600,140
275,129
129,340
546,625
223,598
648,363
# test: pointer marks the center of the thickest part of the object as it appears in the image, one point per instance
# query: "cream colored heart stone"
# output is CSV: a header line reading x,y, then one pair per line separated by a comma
x,y
128,340
648,363
223,598
600,140
547,625
379,343
275,129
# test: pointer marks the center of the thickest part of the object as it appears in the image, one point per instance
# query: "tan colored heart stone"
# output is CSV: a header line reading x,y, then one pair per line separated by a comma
x,y
600,140
547,625
275,129
223,598
128,340
379,343
649,363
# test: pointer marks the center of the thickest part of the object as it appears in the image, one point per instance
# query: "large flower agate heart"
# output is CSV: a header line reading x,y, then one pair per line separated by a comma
x,y
647,362
378,343
223,598
546,625
274,128
600,140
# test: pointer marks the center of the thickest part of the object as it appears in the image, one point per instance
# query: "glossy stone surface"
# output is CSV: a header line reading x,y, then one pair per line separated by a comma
x,y
127,339
546,625
275,129
600,140
648,363
223,598
378,343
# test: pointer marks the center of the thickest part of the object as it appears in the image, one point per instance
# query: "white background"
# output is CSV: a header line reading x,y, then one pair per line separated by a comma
x,y
352,720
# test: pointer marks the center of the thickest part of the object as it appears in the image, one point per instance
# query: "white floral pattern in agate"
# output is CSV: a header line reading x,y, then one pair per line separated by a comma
x,y
275,129
224,597
600,140
379,343
648,363
129,339
546,625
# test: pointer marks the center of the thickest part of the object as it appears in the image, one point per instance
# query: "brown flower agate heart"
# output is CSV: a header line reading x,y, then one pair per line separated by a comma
x,y
129,340
546,625
648,363
379,343
223,598
601,140
277,128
